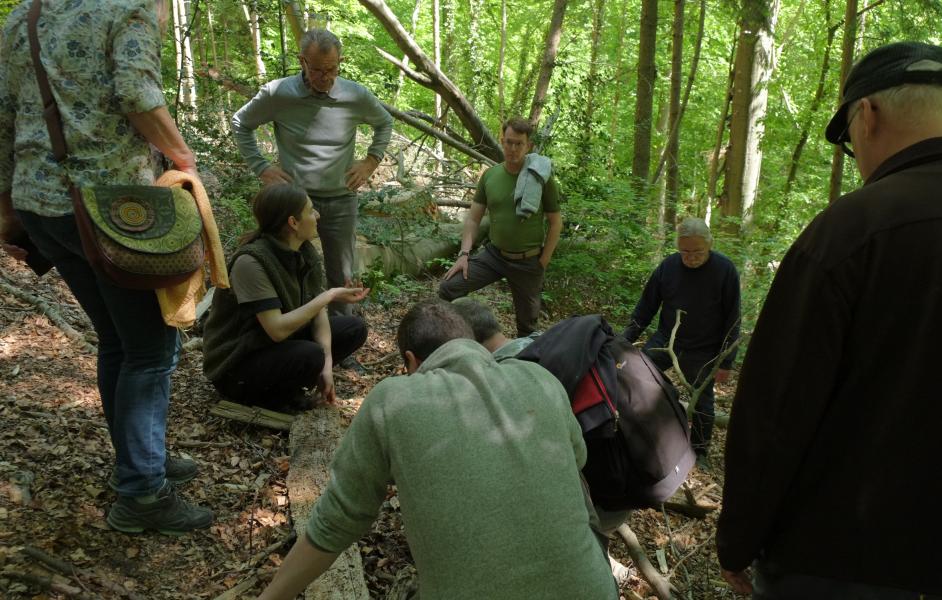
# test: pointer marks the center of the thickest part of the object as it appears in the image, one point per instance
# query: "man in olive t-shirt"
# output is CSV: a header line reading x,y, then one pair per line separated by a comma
x,y
520,248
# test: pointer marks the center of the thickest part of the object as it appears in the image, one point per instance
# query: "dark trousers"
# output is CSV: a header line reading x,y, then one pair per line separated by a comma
x,y
275,375
785,586
695,367
524,276
137,352
336,227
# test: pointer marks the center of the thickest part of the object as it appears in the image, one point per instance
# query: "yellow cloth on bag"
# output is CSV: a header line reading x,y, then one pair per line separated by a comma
x,y
178,302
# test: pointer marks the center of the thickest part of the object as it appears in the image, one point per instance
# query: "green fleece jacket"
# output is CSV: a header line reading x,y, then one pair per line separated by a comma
x,y
486,458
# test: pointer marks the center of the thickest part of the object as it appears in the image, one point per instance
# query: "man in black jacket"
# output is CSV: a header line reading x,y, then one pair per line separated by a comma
x,y
704,285
831,453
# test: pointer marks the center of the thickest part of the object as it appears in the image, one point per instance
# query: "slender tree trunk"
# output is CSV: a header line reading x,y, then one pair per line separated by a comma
x,y
694,63
297,20
620,69
212,33
713,175
585,143
672,183
551,48
847,59
250,10
476,50
500,60
815,105
750,99
644,97
437,46
405,57
525,76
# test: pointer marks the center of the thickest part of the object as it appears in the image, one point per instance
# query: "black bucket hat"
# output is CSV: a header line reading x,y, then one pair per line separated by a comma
x,y
886,67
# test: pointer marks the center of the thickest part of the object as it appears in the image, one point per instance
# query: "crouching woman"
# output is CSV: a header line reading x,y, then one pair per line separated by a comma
x,y
269,338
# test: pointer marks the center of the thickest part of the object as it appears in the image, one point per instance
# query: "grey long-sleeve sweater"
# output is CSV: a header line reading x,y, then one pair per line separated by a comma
x,y
315,133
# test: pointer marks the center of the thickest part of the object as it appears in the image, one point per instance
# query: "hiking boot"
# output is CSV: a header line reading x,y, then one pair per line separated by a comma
x,y
353,364
164,512
177,470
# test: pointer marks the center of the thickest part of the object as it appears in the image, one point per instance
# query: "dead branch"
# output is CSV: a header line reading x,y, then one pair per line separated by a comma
x,y
254,415
453,203
661,586
48,584
201,444
692,552
696,511
670,541
69,570
694,391
444,137
439,82
50,313
405,68
236,592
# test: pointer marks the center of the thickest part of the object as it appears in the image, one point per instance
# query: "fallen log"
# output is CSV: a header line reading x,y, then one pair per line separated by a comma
x,y
313,440
254,415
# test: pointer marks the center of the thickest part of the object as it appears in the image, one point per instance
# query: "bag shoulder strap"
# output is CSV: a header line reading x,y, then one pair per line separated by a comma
x,y
50,109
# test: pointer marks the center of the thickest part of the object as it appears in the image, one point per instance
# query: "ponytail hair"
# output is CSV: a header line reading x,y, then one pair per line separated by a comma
x,y
272,206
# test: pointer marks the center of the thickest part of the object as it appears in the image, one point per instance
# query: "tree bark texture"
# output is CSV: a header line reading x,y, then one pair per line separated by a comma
x,y
672,147
314,438
585,143
847,59
750,99
815,104
438,81
250,11
548,63
644,97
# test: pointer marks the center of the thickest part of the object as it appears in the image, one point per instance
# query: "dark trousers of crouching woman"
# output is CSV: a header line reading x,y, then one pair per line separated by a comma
x,y
274,377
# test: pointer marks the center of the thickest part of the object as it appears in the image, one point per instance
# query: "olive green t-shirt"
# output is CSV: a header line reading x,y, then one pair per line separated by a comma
x,y
508,232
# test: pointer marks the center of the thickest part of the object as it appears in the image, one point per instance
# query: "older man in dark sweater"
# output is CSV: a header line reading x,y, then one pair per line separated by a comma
x,y
704,285
832,452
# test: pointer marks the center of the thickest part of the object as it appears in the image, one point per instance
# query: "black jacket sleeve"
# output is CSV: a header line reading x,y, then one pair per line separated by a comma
x,y
647,306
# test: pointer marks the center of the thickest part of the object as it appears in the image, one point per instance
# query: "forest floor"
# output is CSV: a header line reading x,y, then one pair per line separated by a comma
x,y
55,458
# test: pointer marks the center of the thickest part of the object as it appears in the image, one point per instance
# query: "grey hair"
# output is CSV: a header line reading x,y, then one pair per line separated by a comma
x,y
913,104
323,39
694,227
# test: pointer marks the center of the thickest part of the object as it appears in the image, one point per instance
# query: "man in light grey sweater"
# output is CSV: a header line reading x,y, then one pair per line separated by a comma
x,y
315,115
486,459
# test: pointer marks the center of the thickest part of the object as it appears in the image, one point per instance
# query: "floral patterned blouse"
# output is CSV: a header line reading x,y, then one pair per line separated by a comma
x,y
102,58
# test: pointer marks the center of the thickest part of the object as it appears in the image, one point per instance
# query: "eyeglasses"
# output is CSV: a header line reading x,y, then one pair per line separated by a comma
x,y
332,71
843,138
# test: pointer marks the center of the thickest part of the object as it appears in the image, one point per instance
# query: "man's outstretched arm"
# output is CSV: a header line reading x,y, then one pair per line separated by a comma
x,y
304,563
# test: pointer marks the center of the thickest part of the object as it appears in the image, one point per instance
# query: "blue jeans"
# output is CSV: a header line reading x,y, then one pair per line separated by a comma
x,y
337,227
137,352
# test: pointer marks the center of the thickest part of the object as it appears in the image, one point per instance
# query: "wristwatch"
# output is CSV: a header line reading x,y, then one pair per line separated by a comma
x,y
464,253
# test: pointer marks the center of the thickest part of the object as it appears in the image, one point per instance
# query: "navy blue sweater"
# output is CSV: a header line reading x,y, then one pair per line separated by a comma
x,y
709,295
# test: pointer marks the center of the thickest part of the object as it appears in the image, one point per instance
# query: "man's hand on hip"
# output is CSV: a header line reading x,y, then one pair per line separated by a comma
x,y
460,265
274,174
359,173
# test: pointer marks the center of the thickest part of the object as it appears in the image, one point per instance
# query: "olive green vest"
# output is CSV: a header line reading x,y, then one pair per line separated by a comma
x,y
232,332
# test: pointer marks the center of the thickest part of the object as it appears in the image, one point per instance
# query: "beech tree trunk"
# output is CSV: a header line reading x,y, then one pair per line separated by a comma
x,y
718,152
551,48
644,97
753,64
620,69
187,84
847,59
250,11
